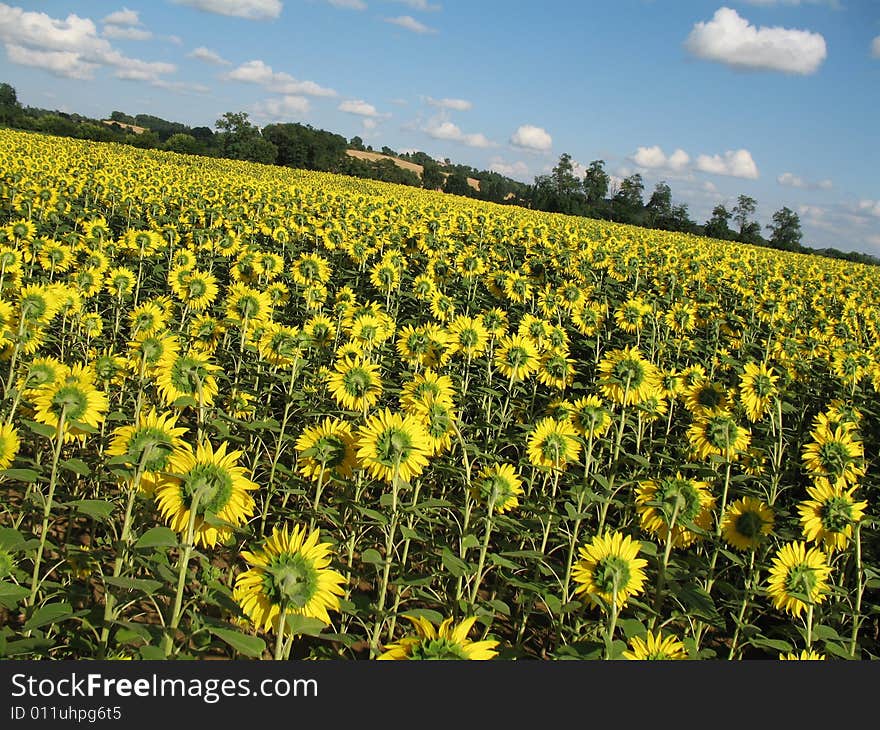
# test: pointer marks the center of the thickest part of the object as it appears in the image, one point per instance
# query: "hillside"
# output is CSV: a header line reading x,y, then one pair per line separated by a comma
x,y
411,166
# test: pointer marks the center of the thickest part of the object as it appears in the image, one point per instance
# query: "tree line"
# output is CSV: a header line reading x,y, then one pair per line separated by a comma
x,y
301,146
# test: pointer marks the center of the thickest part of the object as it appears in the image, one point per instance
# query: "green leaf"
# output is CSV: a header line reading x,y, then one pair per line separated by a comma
x,y
21,475
632,627
304,625
152,653
762,642
454,564
77,466
11,594
157,537
10,539
470,541
252,646
94,508
372,557
826,633
134,584
49,614
40,428
435,617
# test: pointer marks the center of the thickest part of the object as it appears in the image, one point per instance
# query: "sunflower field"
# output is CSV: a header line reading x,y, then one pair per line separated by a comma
x,y
254,412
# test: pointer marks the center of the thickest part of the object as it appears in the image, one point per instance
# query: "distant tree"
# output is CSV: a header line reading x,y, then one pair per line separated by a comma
x,y
10,108
752,234
596,182
659,207
743,211
241,140
717,226
564,182
432,177
203,134
185,144
786,230
627,204
388,151
122,118
457,184
356,143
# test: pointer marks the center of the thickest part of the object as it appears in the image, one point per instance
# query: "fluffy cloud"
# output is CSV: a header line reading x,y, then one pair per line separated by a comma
x,y
532,138
789,179
458,105
733,163
410,23
123,17
731,40
130,34
358,107
654,158
348,4
249,9
869,207
282,107
70,48
209,56
449,131
422,5
517,170
875,47
258,72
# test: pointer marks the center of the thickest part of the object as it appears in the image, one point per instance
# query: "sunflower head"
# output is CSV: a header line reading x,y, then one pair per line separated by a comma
x,y
609,570
446,641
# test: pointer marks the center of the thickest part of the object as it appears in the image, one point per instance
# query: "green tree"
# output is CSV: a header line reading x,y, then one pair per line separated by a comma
x,y
627,204
432,177
596,182
10,108
743,211
786,230
562,177
240,140
185,144
718,225
659,207
457,184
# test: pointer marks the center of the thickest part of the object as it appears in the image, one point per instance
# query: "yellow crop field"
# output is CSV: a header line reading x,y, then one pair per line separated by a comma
x,y
253,412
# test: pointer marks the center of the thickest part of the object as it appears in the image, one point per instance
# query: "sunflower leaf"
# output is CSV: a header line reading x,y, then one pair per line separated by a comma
x,y
21,475
157,537
304,625
95,508
252,646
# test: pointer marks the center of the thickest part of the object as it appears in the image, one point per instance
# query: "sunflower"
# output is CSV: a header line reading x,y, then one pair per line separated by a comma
x,y
468,336
718,434
805,655
281,345
553,444
746,522
498,486
205,333
9,444
37,304
516,357
147,444
556,370
798,573
630,316
706,398
119,282
213,481
835,453
608,570
438,418
627,378
240,404
425,345
247,305
320,331
310,269
391,446
355,384
676,502
147,319
326,449
590,417
427,387
830,513
197,291
38,372
74,399
289,576
757,389
447,641
187,375
655,647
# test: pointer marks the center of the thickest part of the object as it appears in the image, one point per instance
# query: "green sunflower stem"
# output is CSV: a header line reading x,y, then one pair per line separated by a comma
x,y
168,640
660,587
576,528
484,548
47,507
809,636
612,624
747,595
279,634
860,588
386,571
392,622
278,444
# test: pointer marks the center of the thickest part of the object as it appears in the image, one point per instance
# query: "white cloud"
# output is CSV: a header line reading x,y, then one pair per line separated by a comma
x,y
770,3
282,108
654,158
348,4
869,207
130,34
209,56
422,5
449,131
70,47
458,105
249,9
517,170
410,23
358,107
789,179
531,137
875,47
123,17
369,123
258,72
731,40
733,163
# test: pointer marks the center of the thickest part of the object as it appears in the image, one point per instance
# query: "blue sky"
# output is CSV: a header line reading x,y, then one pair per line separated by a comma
x,y
776,99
